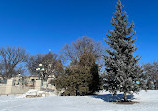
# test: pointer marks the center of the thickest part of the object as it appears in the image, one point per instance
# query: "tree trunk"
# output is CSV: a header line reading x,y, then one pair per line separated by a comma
x,y
125,97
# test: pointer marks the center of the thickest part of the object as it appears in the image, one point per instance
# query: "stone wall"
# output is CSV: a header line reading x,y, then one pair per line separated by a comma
x,y
2,89
19,90
13,90
10,88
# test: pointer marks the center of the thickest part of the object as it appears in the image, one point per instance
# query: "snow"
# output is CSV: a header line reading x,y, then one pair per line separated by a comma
x,y
148,102
35,93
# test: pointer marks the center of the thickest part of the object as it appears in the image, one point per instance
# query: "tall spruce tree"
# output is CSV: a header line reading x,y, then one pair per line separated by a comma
x,y
123,71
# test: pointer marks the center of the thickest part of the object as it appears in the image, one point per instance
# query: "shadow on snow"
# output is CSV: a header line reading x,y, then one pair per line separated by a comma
x,y
113,98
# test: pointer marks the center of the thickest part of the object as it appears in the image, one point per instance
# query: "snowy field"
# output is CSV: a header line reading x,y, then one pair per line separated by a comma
x,y
148,102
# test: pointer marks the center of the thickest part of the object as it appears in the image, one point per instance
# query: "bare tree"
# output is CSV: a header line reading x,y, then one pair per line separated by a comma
x,y
151,71
83,45
10,58
50,62
33,62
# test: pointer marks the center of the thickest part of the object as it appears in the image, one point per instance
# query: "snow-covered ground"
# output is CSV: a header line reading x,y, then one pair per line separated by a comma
x,y
148,102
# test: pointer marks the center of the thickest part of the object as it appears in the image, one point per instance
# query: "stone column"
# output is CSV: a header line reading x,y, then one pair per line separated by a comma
x,y
38,84
9,86
45,84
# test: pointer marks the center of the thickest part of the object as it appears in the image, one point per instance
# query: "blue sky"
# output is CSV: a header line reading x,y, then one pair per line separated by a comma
x,y
39,25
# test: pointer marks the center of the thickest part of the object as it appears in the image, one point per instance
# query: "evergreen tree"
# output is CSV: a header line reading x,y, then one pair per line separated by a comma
x,y
88,61
80,79
123,71
75,81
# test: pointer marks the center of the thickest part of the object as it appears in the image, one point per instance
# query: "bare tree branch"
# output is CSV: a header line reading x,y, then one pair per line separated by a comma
x,y
83,45
11,57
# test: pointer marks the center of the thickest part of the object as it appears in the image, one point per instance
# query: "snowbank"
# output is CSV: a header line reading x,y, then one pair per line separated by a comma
x,y
36,93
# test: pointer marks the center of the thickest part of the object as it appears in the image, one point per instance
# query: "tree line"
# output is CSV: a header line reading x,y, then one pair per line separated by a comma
x,y
85,59
80,77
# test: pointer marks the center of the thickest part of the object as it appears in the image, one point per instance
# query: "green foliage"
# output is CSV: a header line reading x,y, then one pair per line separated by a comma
x,y
74,81
80,79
